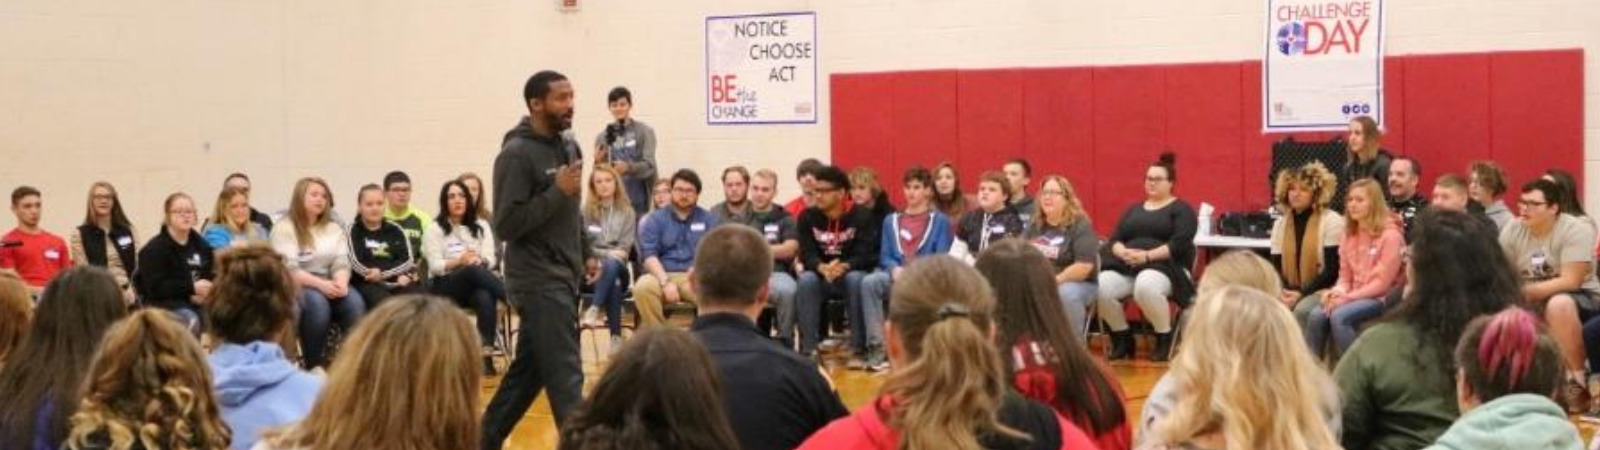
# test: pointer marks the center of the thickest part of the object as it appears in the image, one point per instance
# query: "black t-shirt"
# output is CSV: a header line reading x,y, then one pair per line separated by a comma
x,y
774,397
777,227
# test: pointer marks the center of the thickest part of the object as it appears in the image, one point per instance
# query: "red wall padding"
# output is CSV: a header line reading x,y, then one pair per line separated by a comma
x,y
1101,126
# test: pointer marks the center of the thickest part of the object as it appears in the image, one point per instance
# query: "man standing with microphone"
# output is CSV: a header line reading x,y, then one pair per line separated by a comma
x,y
537,181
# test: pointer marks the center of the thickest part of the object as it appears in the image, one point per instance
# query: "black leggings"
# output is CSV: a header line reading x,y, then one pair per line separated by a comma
x,y
474,287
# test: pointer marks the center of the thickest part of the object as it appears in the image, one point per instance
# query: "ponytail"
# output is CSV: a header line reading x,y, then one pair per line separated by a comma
x,y
1508,353
950,393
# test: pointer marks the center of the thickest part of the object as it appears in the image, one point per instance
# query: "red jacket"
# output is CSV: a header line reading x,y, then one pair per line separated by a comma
x,y
1035,378
865,429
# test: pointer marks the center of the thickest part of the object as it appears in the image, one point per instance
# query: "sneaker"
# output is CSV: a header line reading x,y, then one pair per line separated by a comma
x,y
830,345
616,344
1575,396
494,350
877,360
591,318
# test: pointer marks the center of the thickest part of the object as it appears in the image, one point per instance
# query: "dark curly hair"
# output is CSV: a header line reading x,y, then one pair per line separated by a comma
x,y
1458,272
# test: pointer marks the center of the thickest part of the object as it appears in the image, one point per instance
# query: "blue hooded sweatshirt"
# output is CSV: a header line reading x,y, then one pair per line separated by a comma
x,y
258,389
1512,422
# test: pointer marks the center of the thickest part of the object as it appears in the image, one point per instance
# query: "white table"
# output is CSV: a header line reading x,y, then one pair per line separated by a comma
x,y
1231,242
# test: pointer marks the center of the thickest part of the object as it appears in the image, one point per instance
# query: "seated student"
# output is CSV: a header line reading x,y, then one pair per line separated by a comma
x,y
1242,269
230,224
774,397
806,175
1507,371
106,238
75,311
947,196
918,231
866,192
1370,265
609,220
16,314
33,253
1450,193
660,195
1306,266
1405,201
460,252
415,350
783,240
130,404
1043,349
1221,404
627,147
257,387
1019,175
317,251
940,340
175,269
1553,253
1488,184
667,239
660,388
1367,158
1152,251
735,208
475,187
241,182
1396,378
993,220
838,248
1062,232
397,191
380,253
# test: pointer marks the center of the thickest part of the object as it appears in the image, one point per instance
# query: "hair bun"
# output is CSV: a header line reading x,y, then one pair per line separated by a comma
x,y
1167,158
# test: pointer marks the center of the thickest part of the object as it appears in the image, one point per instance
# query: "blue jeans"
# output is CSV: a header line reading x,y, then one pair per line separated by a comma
x,y
781,289
811,294
316,314
1076,296
608,291
866,315
1346,323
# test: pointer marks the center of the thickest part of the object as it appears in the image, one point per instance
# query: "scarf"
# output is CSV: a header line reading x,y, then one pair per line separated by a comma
x,y
1302,262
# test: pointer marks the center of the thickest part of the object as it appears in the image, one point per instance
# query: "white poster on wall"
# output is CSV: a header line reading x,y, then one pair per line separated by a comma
x,y
1323,64
761,69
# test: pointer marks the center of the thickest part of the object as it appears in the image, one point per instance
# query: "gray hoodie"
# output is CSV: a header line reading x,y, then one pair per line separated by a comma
x,y
1512,422
545,241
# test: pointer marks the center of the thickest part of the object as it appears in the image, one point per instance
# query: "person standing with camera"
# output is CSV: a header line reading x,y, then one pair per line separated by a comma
x,y
629,147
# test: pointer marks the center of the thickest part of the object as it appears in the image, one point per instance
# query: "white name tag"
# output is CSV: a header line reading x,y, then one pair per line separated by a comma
x,y
997,229
373,244
194,260
124,241
454,250
52,254
1058,240
697,227
594,229
630,143
770,228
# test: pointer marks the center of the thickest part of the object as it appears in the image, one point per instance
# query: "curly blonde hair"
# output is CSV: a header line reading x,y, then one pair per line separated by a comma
x,y
1313,177
149,385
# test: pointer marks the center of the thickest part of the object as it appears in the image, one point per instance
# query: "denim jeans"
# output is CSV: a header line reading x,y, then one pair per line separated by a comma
x,y
1346,323
316,315
608,291
474,287
809,298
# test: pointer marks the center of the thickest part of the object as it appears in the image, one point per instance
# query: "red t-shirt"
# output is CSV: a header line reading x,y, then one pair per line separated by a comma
x,y
913,228
36,257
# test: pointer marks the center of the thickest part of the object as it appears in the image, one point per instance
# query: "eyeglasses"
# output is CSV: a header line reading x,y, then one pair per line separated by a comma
x,y
1055,192
1530,204
400,189
103,197
182,212
678,190
1155,179
826,189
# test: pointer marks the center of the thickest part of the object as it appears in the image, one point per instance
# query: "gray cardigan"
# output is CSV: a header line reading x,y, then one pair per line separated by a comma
x,y
611,228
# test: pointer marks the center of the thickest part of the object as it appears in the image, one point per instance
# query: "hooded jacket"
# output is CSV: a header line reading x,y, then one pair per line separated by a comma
x,y
1512,422
542,227
258,389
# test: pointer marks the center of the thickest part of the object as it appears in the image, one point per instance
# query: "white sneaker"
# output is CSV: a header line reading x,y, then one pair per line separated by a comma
x,y
591,318
616,344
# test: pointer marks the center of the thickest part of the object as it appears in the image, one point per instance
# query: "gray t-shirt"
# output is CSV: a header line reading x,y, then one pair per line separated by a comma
x,y
1065,245
1572,240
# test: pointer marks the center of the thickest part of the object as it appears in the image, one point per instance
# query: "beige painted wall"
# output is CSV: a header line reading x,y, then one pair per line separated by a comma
x,y
159,96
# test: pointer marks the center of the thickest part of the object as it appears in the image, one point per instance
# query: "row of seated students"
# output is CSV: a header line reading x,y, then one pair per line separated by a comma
x,y
983,357
342,269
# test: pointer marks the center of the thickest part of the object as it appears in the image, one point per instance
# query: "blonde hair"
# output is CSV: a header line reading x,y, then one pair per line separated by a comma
x,y
865,176
619,196
483,195
1313,177
1372,137
407,379
1073,207
297,210
219,214
16,313
166,207
149,385
952,390
1256,383
1377,216
1241,268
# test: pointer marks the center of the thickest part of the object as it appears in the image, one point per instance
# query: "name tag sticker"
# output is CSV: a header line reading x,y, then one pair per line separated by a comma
x,y
997,229
373,244
52,254
697,226
594,229
905,234
771,228
124,241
